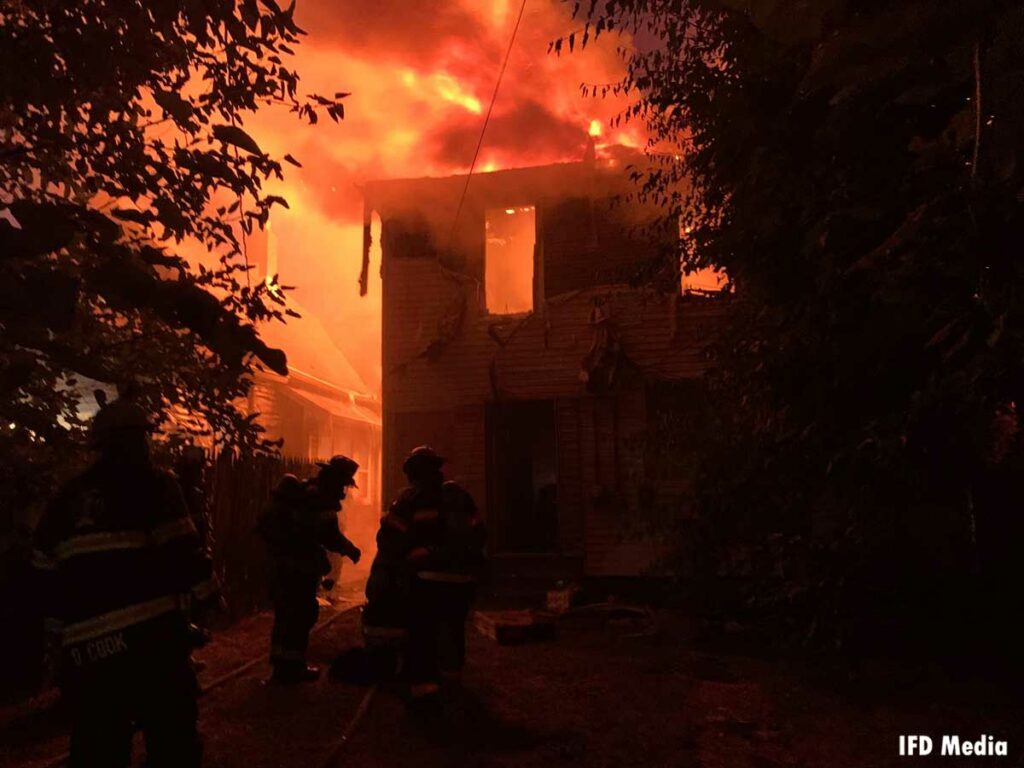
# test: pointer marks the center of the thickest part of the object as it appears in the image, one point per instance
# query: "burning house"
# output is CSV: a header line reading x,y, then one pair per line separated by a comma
x,y
322,407
514,344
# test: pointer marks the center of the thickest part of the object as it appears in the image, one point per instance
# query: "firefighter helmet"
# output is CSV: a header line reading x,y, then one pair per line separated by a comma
x,y
120,417
339,468
423,457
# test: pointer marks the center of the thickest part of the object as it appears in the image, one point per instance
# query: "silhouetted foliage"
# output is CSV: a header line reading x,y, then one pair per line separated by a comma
x,y
121,141
856,168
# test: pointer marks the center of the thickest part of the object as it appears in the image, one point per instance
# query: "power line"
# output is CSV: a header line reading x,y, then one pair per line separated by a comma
x,y
487,119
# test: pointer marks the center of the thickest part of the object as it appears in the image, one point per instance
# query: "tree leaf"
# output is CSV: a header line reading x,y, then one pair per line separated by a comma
x,y
232,134
174,105
130,214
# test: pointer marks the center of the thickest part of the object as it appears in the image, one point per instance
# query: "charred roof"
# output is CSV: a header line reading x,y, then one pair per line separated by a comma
x,y
517,186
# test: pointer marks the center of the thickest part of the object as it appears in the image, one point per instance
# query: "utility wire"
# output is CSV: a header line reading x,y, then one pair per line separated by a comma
x,y
487,119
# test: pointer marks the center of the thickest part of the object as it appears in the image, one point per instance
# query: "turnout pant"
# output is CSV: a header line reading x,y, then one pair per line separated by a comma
x,y
295,613
157,695
436,642
384,625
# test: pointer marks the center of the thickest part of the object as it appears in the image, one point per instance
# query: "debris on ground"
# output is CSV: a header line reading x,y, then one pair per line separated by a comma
x,y
563,598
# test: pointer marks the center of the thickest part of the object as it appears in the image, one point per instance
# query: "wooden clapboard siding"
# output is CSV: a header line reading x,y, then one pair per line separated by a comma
x,y
445,359
592,241
535,357
469,467
403,431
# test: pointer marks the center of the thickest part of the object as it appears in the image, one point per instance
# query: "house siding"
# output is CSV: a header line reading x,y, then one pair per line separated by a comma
x,y
445,359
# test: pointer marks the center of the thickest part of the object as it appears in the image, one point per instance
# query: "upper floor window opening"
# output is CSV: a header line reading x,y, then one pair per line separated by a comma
x,y
511,237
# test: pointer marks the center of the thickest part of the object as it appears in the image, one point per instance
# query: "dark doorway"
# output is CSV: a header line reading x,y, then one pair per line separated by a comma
x,y
523,472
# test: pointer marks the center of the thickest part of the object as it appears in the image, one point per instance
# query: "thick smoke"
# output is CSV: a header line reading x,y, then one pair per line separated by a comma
x,y
421,76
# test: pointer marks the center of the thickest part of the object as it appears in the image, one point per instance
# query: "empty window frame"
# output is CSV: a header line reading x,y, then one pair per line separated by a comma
x,y
511,235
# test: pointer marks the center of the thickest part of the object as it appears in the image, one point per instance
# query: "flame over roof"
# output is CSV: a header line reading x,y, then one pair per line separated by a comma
x,y
312,353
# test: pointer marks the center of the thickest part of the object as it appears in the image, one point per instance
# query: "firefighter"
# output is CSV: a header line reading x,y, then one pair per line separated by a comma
x,y
189,470
300,526
117,560
385,616
445,552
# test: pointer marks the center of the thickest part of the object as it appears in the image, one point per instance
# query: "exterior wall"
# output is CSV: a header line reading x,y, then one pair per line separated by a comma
x,y
589,241
445,360
536,356
311,433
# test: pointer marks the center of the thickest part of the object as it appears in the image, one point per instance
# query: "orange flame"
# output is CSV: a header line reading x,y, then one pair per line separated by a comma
x,y
422,76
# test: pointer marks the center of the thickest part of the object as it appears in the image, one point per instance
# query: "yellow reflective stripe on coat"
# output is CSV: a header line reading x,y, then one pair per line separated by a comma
x,y
108,541
446,577
119,619
174,529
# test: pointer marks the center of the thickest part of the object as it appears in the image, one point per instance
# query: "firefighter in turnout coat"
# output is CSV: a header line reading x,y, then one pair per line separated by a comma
x,y
299,527
189,469
385,616
118,563
445,552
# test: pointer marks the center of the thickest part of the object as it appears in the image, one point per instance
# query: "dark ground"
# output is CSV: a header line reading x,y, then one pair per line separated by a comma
x,y
595,696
